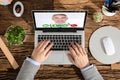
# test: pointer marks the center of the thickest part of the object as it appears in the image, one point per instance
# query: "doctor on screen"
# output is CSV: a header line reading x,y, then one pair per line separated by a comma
x,y
60,21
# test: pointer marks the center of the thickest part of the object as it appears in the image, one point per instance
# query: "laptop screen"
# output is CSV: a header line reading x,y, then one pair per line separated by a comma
x,y
59,19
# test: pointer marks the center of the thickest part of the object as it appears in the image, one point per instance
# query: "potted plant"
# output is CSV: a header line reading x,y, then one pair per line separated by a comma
x,y
15,35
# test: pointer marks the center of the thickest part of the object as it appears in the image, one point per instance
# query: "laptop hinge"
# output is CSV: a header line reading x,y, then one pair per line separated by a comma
x,y
59,30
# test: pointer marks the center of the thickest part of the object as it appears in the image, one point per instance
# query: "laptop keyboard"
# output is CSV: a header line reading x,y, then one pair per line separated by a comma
x,y
61,42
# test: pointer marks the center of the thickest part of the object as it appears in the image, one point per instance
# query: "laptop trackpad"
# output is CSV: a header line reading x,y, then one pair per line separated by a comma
x,y
56,57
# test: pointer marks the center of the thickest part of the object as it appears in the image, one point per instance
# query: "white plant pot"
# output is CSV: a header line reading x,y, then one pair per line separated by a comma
x,y
107,13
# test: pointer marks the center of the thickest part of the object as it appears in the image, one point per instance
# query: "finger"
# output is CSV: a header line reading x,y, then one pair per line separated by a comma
x,y
72,43
85,51
80,48
48,48
71,58
77,46
39,44
72,51
48,54
76,49
45,44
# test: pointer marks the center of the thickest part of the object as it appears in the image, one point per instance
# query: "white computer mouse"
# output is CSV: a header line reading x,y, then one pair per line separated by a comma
x,y
108,46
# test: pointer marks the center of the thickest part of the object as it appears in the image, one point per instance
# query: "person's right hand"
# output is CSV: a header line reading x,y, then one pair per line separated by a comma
x,y
42,51
78,56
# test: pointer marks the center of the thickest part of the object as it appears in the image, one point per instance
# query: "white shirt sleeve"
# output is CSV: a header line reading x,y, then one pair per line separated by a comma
x,y
33,61
87,68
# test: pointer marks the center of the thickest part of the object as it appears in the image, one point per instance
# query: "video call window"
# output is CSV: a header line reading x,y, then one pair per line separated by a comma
x,y
59,20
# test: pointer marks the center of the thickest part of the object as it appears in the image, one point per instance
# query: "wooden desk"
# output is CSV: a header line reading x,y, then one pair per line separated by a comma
x,y
54,72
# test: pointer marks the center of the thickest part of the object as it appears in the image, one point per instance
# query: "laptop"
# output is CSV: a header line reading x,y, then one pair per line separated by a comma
x,y
62,28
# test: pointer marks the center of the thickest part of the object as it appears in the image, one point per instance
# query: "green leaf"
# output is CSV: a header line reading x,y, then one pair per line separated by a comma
x,y
15,35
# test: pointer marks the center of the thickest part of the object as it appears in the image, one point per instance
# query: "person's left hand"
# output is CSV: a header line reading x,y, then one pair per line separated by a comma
x,y
42,51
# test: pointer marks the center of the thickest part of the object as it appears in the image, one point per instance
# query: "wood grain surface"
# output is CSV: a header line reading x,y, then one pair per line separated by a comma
x,y
54,72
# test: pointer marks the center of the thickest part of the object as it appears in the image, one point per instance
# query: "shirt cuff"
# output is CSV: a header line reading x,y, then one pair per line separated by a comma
x,y
33,61
87,68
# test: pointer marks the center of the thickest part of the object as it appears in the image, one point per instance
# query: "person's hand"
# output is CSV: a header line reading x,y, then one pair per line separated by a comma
x,y
78,56
42,51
